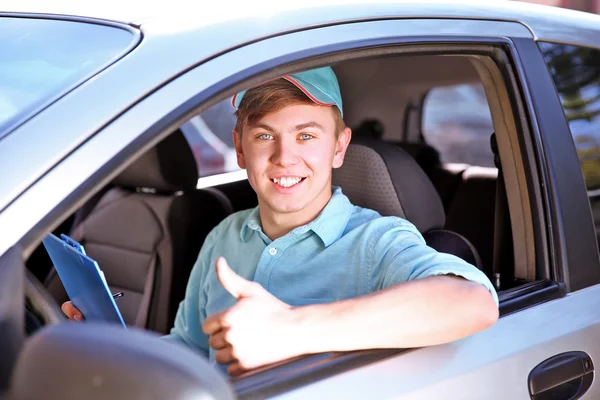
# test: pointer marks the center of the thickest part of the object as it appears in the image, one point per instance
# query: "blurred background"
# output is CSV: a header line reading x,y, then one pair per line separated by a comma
x,y
592,6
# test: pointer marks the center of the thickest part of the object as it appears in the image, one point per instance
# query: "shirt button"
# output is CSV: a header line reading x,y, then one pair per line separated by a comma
x,y
272,251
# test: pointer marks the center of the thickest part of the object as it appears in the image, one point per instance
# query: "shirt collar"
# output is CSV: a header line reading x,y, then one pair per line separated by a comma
x,y
251,224
329,224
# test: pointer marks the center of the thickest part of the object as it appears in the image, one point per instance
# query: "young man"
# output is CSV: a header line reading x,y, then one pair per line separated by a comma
x,y
306,271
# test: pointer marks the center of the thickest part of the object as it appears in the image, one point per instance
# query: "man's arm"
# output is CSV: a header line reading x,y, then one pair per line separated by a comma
x,y
419,296
260,329
423,312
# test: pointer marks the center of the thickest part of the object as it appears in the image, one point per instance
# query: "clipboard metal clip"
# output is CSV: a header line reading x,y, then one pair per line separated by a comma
x,y
71,242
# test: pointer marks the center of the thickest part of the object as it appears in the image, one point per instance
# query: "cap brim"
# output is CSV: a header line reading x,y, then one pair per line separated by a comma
x,y
237,99
311,91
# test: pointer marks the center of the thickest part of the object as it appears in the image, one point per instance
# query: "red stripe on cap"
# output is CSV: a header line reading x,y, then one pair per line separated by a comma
x,y
233,101
306,92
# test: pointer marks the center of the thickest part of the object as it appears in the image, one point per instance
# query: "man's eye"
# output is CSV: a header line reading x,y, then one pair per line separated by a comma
x,y
265,136
306,136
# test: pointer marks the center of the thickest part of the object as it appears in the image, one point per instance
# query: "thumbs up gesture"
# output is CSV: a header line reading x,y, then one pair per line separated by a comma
x,y
257,330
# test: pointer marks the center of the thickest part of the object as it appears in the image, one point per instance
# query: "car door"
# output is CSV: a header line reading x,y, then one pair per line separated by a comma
x,y
514,358
540,322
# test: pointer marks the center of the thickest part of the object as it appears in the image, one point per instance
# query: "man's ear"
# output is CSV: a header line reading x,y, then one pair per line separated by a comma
x,y
239,152
341,146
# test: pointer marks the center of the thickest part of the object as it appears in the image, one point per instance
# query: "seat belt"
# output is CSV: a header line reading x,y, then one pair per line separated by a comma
x,y
141,320
502,267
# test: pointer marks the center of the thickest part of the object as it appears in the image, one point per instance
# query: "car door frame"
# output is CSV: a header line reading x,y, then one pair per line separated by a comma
x,y
114,147
572,238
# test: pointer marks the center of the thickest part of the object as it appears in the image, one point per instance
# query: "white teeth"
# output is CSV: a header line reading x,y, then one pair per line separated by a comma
x,y
287,182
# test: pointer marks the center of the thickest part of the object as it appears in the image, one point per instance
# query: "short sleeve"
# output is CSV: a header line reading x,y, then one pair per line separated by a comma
x,y
400,254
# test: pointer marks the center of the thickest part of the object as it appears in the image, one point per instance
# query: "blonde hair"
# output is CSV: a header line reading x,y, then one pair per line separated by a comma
x,y
271,97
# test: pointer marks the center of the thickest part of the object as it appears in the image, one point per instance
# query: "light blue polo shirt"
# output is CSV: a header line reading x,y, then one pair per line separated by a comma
x,y
347,251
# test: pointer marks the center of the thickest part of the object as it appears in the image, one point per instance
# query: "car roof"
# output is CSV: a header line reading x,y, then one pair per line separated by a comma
x,y
541,20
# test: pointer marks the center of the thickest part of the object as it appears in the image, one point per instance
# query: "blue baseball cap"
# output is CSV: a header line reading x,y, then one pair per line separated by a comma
x,y
319,84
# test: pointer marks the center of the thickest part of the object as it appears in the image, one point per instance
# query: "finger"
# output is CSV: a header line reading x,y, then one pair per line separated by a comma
x,y
71,311
225,356
218,341
236,285
235,369
213,323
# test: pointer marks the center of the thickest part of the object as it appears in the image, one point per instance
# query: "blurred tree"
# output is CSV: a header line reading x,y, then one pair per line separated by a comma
x,y
576,73
575,69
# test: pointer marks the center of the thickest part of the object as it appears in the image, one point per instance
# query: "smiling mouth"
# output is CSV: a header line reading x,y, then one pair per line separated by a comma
x,y
287,181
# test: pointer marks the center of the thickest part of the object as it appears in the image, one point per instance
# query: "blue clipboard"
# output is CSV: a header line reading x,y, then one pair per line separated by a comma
x,y
83,280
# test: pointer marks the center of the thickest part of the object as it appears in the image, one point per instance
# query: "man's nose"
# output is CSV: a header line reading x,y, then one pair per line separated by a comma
x,y
285,153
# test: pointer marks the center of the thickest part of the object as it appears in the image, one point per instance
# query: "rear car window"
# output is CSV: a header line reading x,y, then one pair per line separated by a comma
x,y
210,138
576,74
458,124
42,58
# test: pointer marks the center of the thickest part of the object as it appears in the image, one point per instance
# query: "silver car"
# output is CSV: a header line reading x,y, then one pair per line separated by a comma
x,y
114,130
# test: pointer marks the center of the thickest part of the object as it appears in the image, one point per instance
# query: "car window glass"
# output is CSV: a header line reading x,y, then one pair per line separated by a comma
x,y
576,74
458,124
40,58
210,138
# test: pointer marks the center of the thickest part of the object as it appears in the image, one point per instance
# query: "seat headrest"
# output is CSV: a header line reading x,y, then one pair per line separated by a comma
x,y
383,177
426,156
168,166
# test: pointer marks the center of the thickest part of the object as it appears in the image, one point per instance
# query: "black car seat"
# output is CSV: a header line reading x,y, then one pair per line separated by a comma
x,y
240,193
445,180
146,231
472,212
383,177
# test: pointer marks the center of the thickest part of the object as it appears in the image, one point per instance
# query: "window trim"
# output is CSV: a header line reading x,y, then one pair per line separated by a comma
x,y
512,156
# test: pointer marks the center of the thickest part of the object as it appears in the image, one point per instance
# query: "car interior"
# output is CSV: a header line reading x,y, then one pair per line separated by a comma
x,y
146,227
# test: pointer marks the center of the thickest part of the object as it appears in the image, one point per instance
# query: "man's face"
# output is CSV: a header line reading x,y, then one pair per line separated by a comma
x,y
289,155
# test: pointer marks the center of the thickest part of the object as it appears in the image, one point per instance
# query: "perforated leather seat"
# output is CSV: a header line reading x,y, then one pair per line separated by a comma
x,y
146,232
383,177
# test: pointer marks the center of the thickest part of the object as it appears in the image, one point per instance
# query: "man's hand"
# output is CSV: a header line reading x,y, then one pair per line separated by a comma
x,y
71,311
256,331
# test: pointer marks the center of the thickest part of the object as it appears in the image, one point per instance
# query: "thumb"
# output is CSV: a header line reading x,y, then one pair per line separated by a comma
x,y
237,286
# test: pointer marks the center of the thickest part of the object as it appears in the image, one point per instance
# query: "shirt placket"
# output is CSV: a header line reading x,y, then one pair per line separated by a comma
x,y
269,258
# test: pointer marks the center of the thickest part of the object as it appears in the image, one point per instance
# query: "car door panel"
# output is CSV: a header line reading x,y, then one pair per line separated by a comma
x,y
494,364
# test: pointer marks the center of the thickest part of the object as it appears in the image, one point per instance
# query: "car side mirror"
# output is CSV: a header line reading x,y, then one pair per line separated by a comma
x,y
100,361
